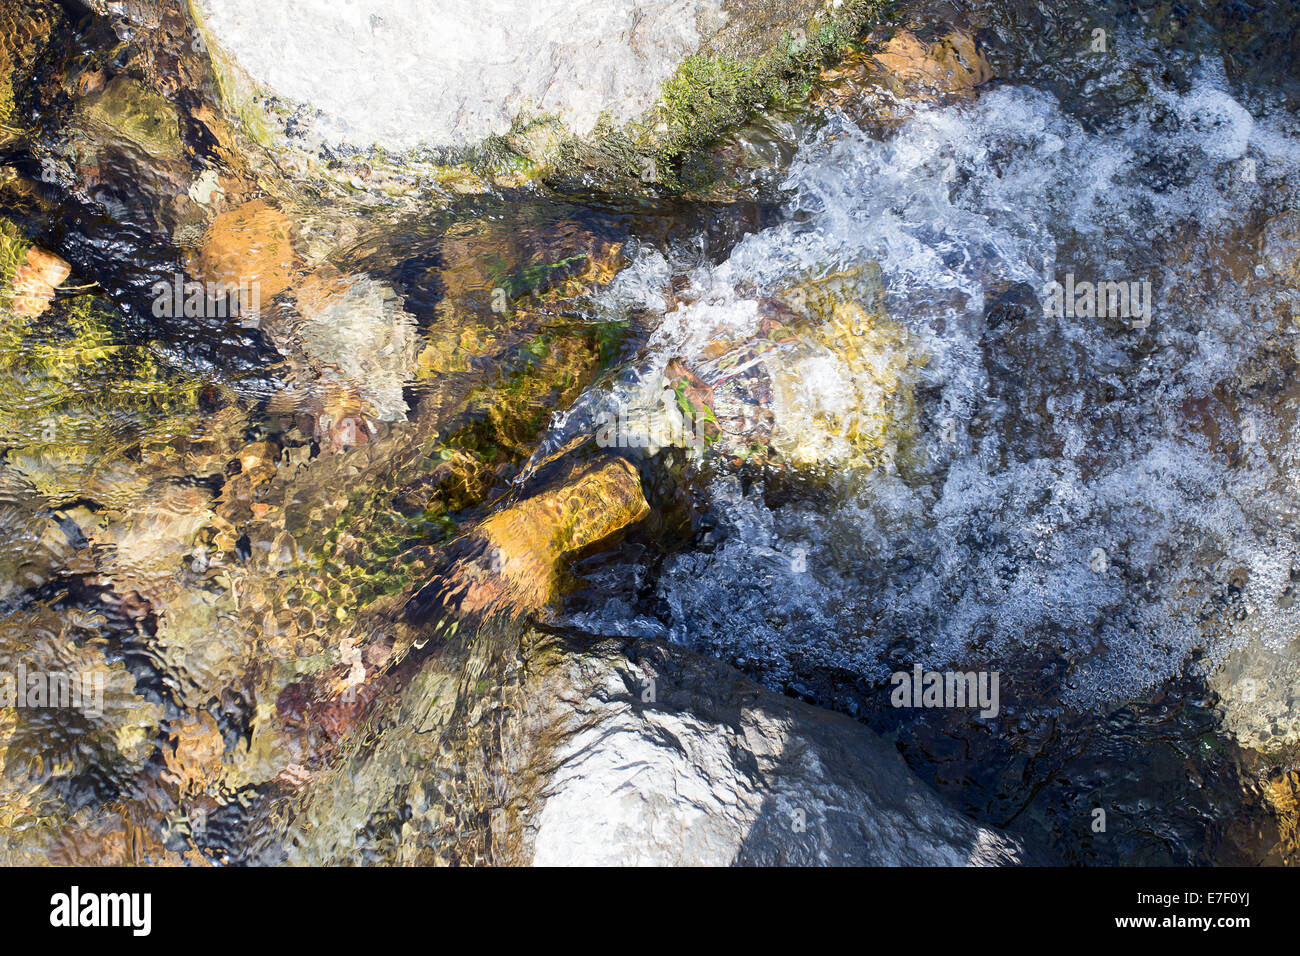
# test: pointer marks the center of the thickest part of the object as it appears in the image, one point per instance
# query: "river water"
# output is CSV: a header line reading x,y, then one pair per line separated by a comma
x,y
1101,509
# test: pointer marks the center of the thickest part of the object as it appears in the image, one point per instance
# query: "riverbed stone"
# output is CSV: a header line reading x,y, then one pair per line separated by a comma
x,y
530,748
878,83
662,757
249,249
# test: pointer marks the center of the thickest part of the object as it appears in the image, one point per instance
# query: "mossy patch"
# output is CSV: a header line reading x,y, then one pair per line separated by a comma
x,y
718,91
77,400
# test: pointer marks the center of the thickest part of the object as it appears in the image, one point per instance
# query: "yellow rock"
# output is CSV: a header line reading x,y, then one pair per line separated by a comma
x,y
131,110
526,541
1283,794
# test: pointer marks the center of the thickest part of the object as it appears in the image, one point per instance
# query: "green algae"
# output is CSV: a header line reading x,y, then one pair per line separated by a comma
x,y
716,92
138,115
76,398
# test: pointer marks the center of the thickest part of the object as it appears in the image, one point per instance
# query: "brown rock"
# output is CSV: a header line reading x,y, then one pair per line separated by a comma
x,y
195,757
250,247
950,64
905,68
510,562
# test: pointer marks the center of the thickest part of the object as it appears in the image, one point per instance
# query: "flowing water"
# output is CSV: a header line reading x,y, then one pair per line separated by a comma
x,y
1102,509
1101,513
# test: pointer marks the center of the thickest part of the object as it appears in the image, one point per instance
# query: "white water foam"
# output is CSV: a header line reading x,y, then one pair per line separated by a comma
x,y
1105,540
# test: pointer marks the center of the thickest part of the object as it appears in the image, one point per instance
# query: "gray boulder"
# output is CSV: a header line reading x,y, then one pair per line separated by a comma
x,y
662,757
549,751
403,74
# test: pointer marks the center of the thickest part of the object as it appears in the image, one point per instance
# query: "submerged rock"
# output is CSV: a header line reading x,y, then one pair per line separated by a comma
x,y
1256,687
249,250
124,150
904,69
128,110
34,281
818,375
513,557
528,539
355,330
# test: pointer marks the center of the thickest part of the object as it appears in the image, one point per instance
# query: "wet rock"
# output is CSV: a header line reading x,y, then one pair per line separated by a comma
x,y
305,78
660,757
34,547
905,68
842,391
1256,685
120,835
1283,793
512,559
35,280
249,250
98,722
150,542
554,753
262,756
528,539
355,329
950,64
127,109
124,150
819,375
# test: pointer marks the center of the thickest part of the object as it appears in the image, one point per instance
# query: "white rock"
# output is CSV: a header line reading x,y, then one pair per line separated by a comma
x,y
410,73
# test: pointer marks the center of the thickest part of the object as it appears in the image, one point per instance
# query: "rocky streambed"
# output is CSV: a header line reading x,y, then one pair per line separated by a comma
x,y
566,473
